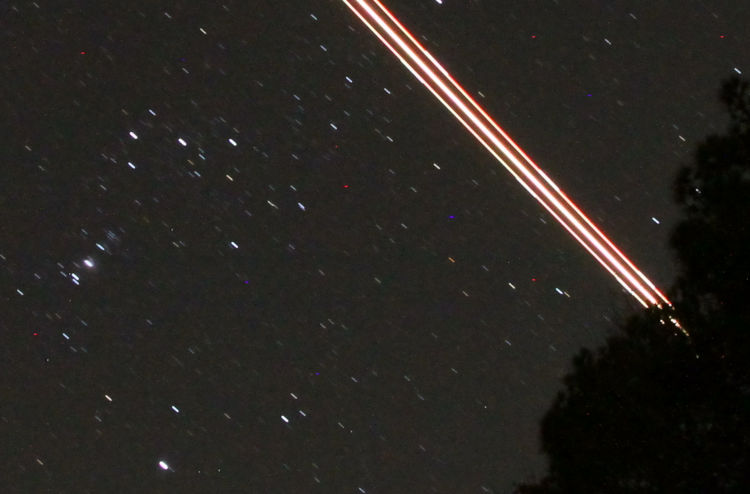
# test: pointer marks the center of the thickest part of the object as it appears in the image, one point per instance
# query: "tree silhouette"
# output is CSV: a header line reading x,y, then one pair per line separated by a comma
x,y
712,241
653,410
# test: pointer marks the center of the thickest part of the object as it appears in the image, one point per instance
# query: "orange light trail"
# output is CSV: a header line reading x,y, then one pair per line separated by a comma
x,y
440,83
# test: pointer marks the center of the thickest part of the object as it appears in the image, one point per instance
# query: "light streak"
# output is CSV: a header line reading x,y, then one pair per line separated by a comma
x,y
467,111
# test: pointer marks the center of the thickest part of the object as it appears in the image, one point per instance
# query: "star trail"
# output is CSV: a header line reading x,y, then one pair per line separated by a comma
x,y
242,249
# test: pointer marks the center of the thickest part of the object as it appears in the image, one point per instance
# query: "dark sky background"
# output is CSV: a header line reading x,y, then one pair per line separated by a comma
x,y
243,250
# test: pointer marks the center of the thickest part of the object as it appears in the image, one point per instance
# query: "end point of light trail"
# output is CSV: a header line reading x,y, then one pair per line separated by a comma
x,y
488,133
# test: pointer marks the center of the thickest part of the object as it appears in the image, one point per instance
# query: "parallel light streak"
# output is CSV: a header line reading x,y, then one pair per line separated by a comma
x,y
466,110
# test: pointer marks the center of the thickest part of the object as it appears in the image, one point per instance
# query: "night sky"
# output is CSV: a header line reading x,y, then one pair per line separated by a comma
x,y
242,249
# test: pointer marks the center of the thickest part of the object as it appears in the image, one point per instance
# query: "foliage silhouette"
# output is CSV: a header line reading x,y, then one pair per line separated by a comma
x,y
653,410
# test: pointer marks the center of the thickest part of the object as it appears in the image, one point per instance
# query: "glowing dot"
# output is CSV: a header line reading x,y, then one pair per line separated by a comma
x,y
285,419
88,263
163,465
182,141
133,135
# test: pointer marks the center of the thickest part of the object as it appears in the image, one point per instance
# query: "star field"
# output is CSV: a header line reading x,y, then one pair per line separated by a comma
x,y
243,250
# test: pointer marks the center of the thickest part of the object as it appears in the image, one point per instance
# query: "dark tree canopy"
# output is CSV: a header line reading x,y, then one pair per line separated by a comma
x,y
653,410
712,241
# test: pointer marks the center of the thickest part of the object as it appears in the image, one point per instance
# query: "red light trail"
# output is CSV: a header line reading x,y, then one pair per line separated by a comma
x,y
440,83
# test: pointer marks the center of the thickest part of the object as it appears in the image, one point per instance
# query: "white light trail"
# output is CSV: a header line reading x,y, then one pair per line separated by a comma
x,y
467,111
